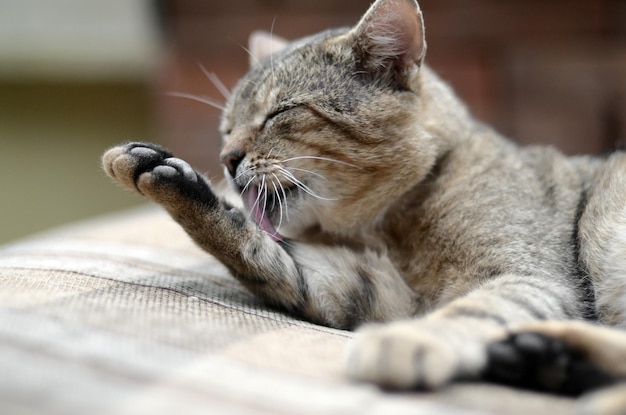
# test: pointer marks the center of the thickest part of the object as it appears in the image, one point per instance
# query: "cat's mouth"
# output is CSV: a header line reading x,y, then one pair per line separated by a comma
x,y
263,206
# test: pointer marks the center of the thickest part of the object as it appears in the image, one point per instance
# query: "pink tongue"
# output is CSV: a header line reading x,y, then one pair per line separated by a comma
x,y
256,207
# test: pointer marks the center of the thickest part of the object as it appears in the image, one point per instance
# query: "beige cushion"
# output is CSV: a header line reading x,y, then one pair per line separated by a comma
x,y
124,315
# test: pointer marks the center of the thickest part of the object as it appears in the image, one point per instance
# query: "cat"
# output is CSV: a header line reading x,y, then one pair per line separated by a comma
x,y
371,199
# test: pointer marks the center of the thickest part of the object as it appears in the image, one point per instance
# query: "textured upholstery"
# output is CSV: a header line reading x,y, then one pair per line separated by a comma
x,y
124,315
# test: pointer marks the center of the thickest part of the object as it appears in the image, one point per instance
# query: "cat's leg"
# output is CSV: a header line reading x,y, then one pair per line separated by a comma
x,y
332,286
574,357
600,352
602,232
452,342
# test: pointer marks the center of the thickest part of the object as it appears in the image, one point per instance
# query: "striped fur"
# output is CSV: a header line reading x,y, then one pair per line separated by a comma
x,y
370,195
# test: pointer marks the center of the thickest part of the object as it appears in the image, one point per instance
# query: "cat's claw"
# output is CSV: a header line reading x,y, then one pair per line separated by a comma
x,y
153,171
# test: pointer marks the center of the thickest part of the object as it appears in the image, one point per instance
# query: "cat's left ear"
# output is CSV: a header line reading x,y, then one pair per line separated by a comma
x,y
390,41
262,44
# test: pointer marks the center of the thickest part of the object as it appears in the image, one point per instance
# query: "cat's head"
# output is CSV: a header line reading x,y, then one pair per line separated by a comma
x,y
330,129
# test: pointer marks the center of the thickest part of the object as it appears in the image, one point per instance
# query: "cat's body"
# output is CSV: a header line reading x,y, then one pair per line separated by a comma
x,y
370,194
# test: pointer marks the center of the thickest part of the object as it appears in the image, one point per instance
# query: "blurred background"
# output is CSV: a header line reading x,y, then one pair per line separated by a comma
x,y
77,77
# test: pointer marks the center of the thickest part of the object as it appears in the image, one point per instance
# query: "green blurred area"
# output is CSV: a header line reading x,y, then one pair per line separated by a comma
x,y
51,138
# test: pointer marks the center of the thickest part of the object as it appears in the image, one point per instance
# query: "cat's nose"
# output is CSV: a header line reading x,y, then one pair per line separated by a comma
x,y
232,160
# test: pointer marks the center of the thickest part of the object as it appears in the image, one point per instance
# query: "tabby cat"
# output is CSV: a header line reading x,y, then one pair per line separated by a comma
x,y
370,195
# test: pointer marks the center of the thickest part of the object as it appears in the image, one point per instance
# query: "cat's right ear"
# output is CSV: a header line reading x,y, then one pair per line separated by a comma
x,y
389,41
261,44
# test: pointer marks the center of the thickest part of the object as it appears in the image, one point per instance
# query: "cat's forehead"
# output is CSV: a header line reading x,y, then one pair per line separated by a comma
x,y
294,73
288,74
257,94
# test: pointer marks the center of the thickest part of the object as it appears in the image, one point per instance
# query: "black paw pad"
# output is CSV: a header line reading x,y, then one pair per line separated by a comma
x,y
167,174
147,156
539,362
175,173
139,146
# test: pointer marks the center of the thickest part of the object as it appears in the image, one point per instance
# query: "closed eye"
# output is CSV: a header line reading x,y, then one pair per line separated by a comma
x,y
277,112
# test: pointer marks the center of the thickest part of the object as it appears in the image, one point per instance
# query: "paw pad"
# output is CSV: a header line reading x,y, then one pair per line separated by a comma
x,y
154,172
540,362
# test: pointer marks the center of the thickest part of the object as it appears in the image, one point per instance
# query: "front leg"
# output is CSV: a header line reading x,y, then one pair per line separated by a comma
x,y
453,341
331,286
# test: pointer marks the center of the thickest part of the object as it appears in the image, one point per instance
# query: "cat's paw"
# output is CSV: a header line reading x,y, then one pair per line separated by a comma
x,y
152,171
542,357
412,355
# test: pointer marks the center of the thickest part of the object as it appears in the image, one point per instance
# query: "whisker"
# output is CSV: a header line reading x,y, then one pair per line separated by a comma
x,y
255,84
269,180
288,243
307,171
263,188
217,83
254,58
289,176
192,97
271,55
257,200
322,159
280,205
246,187
243,172
282,188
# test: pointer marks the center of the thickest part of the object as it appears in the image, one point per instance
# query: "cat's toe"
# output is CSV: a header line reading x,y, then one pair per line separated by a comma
x,y
399,357
174,166
171,174
541,362
168,172
124,163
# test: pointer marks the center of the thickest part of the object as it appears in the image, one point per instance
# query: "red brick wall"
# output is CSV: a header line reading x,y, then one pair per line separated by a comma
x,y
541,71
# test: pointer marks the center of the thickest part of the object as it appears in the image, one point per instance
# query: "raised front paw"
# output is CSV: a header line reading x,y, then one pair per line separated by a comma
x,y
152,171
412,355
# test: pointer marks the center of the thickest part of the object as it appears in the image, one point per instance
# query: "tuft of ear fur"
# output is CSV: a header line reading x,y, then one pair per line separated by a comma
x,y
262,44
389,41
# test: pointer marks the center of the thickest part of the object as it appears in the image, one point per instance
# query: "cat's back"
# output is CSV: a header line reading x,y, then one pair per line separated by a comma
x,y
487,170
490,207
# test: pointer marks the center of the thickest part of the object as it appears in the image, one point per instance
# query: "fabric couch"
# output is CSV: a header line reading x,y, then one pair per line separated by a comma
x,y
125,315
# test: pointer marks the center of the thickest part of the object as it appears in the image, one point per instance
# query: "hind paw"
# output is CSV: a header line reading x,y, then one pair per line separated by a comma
x,y
543,358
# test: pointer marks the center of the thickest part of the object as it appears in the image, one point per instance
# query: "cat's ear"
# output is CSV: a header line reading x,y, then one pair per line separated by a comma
x,y
261,44
390,41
